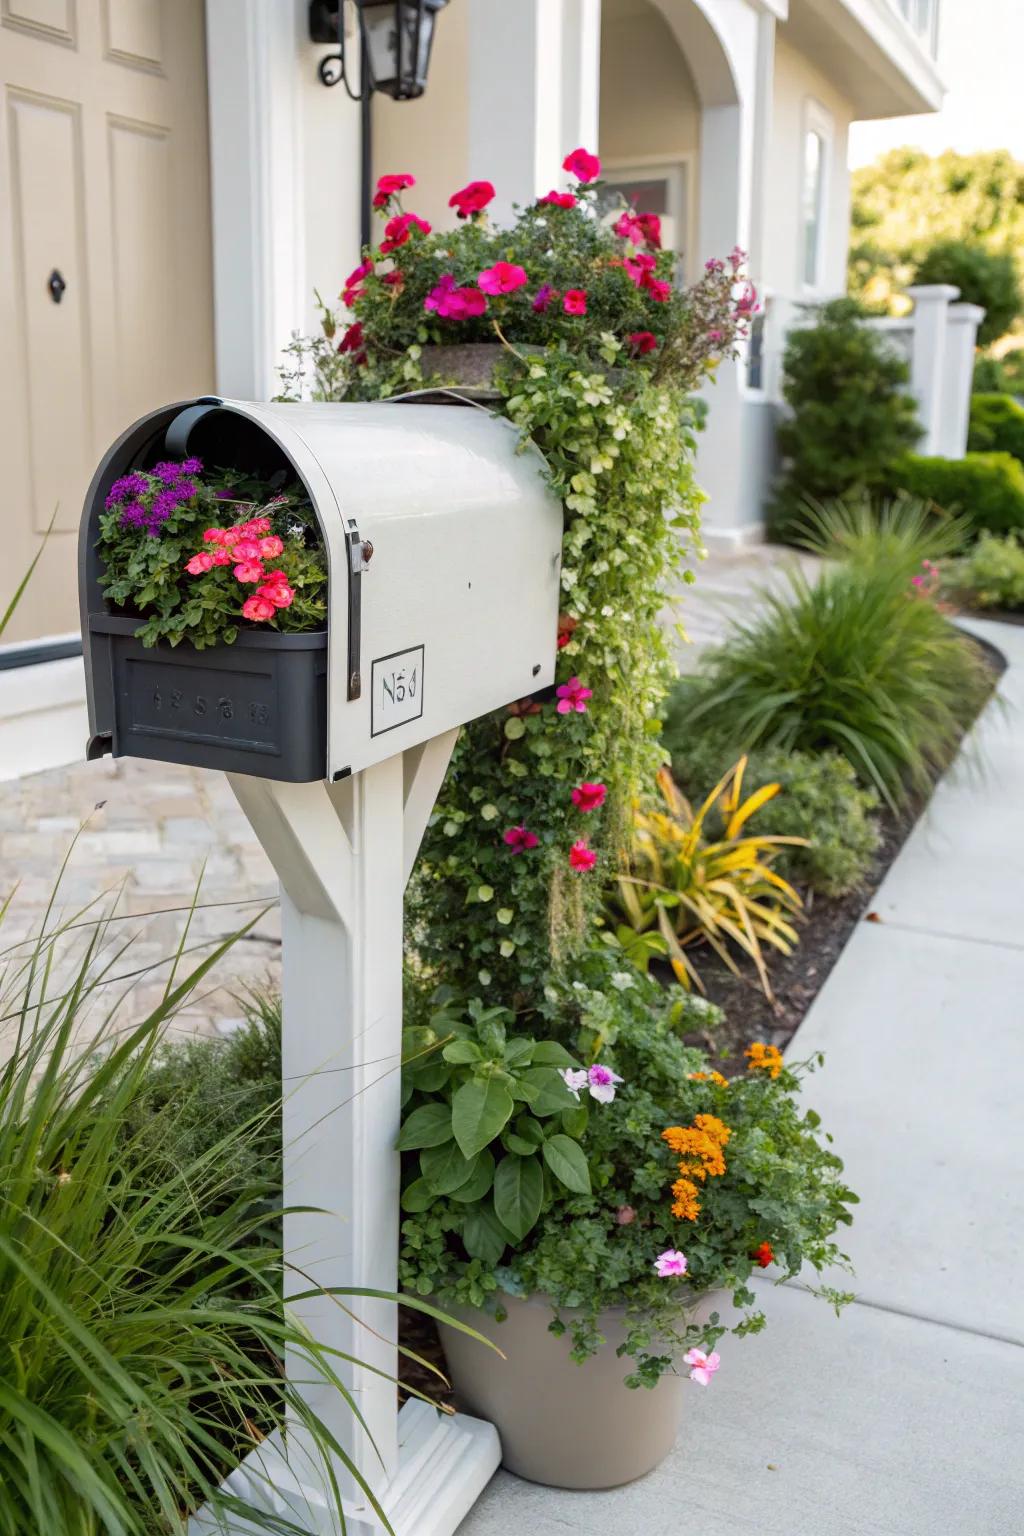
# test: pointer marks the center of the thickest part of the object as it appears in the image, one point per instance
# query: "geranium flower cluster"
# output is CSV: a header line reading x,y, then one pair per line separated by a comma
x,y
147,498
246,547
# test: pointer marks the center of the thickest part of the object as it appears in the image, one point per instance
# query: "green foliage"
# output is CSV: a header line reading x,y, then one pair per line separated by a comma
x,y
140,1288
593,1248
692,887
996,425
144,566
819,799
992,574
850,413
984,276
986,488
999,375
859,661
906,201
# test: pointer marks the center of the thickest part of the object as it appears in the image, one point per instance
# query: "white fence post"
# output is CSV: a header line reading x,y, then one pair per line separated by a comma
x,y
931,303
963,321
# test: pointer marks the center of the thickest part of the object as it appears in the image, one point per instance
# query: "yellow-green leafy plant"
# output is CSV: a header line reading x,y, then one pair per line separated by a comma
x,y
687,890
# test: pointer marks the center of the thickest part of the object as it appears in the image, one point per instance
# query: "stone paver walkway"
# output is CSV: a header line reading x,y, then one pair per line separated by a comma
x,y
157,826
905,1416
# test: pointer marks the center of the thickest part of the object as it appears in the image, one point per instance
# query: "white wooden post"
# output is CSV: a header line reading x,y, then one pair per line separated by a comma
x,y
343,853
962,322
931,301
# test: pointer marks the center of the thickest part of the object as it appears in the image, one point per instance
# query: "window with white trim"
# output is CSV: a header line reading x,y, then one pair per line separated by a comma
x,y
815,172
661,187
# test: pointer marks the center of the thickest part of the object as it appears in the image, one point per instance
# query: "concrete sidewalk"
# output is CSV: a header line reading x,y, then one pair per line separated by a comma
x,y
904,1417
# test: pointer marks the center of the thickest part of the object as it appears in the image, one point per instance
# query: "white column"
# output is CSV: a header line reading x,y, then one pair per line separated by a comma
x,y
962,322
931,302
532,80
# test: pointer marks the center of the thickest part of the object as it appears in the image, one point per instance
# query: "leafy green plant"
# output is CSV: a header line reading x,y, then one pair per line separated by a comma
x,y
987,488
779,1197
819,799
1002,375
983,275
694,890
991,575
996,425
850,412
857,660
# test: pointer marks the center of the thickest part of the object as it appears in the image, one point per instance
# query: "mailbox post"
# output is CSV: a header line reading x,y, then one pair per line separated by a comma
x,y
443,548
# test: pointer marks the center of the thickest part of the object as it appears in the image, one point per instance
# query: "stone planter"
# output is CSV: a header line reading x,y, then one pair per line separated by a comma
x,y
562,1424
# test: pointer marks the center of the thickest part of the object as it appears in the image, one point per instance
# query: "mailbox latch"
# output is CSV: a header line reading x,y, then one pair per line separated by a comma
x,y
360,552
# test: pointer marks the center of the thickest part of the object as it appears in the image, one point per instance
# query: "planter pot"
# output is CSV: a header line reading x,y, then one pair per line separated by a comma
x,y
258,706
562,1424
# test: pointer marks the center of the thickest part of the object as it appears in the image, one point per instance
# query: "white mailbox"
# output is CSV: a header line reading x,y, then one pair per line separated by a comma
x,y
442,546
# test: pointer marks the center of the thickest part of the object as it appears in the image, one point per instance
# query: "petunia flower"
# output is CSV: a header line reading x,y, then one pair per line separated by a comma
x,y
546,295
572,696
659,290
589,797
575,301
574,1079
503,277
670,1263
628,227
388,186
452,303
519,839
704,1366
398,229
352,289
472,198
559,199
583,165
602,1081
581,857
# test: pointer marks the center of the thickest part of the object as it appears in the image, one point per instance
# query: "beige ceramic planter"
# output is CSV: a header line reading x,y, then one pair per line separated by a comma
x,y
566,1425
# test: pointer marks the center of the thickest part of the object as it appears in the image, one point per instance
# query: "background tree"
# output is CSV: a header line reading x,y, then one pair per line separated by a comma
x,y
985,277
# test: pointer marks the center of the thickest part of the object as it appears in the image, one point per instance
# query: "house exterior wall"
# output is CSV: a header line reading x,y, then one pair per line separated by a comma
x,y
650,109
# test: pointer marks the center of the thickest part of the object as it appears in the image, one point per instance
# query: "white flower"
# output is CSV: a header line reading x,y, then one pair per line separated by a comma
x,y
574,1079
622,981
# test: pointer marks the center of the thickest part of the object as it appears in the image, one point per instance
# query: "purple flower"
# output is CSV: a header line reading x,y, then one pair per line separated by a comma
x,y
192,466
128,485
166,471
133,516
224,495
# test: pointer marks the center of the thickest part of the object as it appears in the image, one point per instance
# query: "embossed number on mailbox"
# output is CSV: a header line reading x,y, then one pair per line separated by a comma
x,y
396,690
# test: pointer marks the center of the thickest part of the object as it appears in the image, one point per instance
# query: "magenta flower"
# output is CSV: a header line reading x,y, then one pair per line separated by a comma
x,y
628,227
670,1263
472,198
601,1081
545,295
519,839
659,291
581,857
559,199
572,696
747,303
642,342
451,303
388,186
503,277
575,301
397,230
638,268
589,797
704,1366
583,165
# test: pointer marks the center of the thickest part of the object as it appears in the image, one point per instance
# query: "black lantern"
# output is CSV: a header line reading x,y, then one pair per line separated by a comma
x,y
395,41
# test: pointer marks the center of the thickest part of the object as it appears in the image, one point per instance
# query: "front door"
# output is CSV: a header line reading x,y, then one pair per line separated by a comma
x,y
105,263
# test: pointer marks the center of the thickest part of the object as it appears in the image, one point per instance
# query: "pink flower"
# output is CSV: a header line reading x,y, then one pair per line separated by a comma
x,y
204,562
451,303
714,265
714,336
589,797
257,608
221,557
249,570
277,591
639,267
213,536
659,291
737,256
628,227
259,525
559,199
704,1366
503,277
545,296
642,342
583,165
669,1263
581,857
651,226
397,230
747,303
271,547
519,840
625,1216
574,1079
601,1081
353,283
915,581
575,301
573,696
388,186
246,549
473,198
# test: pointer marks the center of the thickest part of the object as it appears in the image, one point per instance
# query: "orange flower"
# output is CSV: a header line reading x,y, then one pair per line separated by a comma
x,y
763,1058
709,1077
699,1149
686,1206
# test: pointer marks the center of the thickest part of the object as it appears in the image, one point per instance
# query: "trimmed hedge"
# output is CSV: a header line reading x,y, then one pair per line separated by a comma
x,y
986,487
997,425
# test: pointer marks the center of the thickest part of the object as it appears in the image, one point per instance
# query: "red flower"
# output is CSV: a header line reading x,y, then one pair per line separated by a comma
x,y
575,301
473,198
387,186
589,797
396,231
763,1255
519,840
353,288
566,623
352,341
628,227
503,277
639,267
581,857
559,199
651,226
659,291
583,165
642,342
395,279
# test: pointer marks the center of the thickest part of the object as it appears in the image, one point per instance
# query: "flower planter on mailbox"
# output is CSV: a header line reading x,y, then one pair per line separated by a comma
x,y
442,546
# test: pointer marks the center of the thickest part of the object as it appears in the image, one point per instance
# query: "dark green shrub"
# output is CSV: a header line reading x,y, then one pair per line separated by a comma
x,y
983,276
856,661
992,575
820,799
851,415
997,425
999,375
988,488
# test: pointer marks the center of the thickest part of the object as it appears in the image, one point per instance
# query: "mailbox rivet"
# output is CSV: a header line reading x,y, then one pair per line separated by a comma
x,y
367,550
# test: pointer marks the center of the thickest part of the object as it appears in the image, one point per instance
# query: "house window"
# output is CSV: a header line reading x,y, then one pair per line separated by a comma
x,y
663,189
814,185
